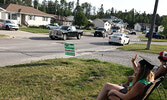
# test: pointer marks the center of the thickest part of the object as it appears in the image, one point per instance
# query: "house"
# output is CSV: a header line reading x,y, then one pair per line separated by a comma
x,y
24,15
61,20
115,21
102,23
143,26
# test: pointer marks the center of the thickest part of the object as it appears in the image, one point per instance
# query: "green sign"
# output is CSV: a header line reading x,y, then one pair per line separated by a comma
x,y
69,49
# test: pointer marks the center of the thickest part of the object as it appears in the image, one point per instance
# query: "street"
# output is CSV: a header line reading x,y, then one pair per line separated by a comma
x,y
19,49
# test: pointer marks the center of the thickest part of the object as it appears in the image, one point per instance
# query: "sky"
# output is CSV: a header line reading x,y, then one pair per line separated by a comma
x,y
138,5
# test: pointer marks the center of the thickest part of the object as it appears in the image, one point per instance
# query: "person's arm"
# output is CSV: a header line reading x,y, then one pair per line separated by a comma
x,y
139,87
134,64
161,70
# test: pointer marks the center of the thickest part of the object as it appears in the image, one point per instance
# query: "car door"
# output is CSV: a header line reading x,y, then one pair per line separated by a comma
x,y
72,32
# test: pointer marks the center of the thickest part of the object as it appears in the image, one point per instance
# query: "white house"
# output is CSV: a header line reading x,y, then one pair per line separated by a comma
x,y
24,15
143,26
101,23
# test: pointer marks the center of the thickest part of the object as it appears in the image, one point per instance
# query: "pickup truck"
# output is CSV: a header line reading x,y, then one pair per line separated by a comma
x,y
64,32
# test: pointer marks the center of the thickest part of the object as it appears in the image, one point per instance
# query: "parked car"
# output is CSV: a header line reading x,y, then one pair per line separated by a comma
x,y
52,26
145,32
155,35
9,24
115,29
119,38
132,32
64,32
1,25
101,31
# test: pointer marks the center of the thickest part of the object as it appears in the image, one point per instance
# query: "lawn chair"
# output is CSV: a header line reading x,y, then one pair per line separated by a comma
x,y
150,88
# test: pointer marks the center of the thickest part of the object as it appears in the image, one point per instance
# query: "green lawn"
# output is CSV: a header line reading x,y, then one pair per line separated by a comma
x,y
35,30
60,79
143,38
1,35
142,48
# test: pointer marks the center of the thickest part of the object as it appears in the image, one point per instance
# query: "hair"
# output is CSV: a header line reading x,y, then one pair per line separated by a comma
x,y
161,58
144,73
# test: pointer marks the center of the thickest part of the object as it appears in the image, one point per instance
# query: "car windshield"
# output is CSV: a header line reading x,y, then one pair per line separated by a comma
x,y
9,22
64,27
116,34
117,28
101,29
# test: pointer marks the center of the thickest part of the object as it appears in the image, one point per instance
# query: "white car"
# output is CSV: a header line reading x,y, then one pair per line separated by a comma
x,y
52,26
119,38
9,24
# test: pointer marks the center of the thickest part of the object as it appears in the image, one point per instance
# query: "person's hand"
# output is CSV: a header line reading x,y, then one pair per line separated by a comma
x,y
133,59
111,92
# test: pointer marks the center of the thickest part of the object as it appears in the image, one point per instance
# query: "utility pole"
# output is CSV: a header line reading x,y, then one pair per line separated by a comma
x,y
152,24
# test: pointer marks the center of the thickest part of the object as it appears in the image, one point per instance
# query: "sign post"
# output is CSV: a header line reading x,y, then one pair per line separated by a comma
x,y
69,49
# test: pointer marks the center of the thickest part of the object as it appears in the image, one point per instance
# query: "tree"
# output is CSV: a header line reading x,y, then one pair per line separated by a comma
x,y
27,2
35,4
80,18
164,24
87,9
100,14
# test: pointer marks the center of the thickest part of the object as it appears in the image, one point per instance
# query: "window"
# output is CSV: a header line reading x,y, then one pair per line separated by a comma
x,y
45,19
12,16
31,17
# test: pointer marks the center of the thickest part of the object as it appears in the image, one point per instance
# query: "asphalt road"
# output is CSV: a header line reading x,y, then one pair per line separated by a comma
x,y
24,47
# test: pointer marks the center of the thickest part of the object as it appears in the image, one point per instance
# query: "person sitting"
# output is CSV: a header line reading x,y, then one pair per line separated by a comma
x,y
142,78
158,72
162,70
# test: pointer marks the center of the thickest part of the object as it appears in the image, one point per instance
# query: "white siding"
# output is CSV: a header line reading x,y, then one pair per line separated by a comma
x,y
107,26
38,21
0,15
137,27
4,15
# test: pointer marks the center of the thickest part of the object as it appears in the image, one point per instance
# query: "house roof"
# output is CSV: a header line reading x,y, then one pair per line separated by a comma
x,y
60,18
23,9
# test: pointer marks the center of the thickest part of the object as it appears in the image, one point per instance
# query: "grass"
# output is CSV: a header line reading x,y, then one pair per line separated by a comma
x,y
35,30
142,48
89,30
143,38
60,79
1,35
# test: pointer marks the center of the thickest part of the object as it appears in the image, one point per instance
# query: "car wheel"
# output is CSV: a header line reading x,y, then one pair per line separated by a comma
x,y
79,36
123,43
128,42
52,37
94,35
64,37
7,28
109,42
16,29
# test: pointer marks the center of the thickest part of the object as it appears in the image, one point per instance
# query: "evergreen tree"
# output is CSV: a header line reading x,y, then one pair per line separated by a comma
x,y
35,4
80,18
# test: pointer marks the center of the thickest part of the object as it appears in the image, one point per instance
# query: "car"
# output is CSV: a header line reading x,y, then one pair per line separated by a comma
x,y
101,32
132,32
115,29
1,25
120,38
52,26
145,32
155,35
64,32
8,24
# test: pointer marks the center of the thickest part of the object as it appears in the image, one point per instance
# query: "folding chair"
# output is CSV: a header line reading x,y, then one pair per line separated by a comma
x,y
150,88
163,90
